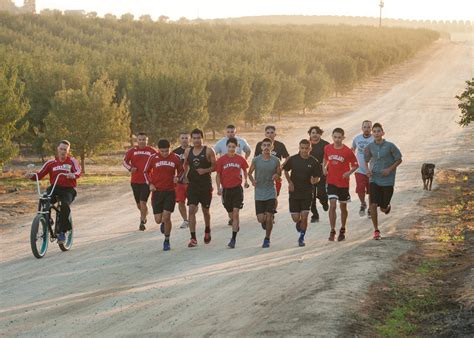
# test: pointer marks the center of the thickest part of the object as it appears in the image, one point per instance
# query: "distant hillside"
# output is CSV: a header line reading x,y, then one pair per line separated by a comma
x,y
447,26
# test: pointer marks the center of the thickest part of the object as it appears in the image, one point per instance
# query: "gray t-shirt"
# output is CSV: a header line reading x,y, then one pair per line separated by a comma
x,y
221,147
264,170
359,143
382,156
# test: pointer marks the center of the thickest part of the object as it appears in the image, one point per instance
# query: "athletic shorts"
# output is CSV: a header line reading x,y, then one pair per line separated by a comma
x,y
233,198
337,193
163,201
381,195
268,206
362,184
198,195
278,186
141,192
298,205
181,191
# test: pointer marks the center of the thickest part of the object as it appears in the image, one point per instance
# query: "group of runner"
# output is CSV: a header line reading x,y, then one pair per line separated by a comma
x,y
319,171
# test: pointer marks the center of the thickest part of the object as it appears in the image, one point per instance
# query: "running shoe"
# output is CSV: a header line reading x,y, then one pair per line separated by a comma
x,y
162,228
166,246
332,235
298,228
301,241
192,243
342,235
377,235
389,208
207,237
315,218
264,225
184,225
369,215
229,223
231,244
266,243
142,226
362,210
325,206
61,238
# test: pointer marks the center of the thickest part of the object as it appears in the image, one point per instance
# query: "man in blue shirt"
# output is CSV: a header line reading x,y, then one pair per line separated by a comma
x,y
382,159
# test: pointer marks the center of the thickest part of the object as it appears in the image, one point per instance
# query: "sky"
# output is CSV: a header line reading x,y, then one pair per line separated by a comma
x,y
211,9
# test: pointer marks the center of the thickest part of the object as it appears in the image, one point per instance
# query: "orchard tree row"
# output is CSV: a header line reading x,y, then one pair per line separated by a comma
x,y
97,81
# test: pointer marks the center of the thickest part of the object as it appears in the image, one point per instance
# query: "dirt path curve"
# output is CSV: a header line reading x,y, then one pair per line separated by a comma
x,y
117,282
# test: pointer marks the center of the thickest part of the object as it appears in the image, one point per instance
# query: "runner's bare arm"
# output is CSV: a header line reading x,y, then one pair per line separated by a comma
x,y
251,170
246,176
291,187
277,175
218,184
211,156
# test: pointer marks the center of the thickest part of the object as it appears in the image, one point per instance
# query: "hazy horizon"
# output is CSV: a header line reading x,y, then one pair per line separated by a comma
x,y
208,9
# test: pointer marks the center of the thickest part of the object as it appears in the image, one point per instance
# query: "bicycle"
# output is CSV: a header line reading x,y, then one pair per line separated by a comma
x,y
42,230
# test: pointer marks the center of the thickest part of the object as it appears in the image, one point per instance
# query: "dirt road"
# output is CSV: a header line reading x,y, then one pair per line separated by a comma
x,y
117,282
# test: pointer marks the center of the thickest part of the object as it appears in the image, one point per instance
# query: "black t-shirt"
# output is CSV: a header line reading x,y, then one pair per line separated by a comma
x,y
301,172
317,150
279,150
180,152
196,162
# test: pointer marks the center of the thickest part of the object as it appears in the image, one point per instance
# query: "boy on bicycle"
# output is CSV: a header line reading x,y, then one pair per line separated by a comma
x,y
65,190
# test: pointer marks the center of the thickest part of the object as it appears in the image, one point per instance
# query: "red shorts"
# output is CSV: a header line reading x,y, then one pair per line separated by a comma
x,y
278,186
362,183
181,191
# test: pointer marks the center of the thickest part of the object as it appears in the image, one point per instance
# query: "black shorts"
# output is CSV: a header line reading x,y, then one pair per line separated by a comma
x,y
233,198
336,193
163,201
141,192
381,195
298,205
268,206
201,195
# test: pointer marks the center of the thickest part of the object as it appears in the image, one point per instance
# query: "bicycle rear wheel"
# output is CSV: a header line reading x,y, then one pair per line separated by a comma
x,y
39,236
66,246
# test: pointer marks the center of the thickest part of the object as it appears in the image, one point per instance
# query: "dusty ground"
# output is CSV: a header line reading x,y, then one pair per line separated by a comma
x,y
117,281
430,292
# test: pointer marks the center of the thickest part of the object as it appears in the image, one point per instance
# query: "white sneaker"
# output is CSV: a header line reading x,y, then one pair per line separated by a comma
x,y
184,225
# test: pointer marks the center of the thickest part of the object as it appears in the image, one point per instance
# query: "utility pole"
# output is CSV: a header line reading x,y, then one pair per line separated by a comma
x,y
381,6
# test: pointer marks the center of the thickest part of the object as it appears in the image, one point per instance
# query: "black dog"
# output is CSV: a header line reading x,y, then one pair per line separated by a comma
x,y
427,174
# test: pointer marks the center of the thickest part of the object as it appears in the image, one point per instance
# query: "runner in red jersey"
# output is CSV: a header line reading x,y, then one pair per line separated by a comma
x,y
64,190
134,161
339,163
229,169
161,172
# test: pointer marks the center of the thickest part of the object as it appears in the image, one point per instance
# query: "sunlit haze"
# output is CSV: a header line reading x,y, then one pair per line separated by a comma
x,y
207,9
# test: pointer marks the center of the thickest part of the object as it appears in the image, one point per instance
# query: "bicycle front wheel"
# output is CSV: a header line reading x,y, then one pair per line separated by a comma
x,y
39,236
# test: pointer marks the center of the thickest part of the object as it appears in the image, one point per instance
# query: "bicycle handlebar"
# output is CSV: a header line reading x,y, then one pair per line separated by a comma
x,y
54,185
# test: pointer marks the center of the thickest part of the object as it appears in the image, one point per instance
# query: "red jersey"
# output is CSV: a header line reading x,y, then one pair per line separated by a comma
x,y
229,170
339,161
55,167
160,171
137,158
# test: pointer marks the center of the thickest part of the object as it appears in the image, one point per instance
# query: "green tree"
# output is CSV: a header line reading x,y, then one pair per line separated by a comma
x,y
317,85
291,96
265,91
13,105
163,105
343,70
229,99
89,118
466,104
